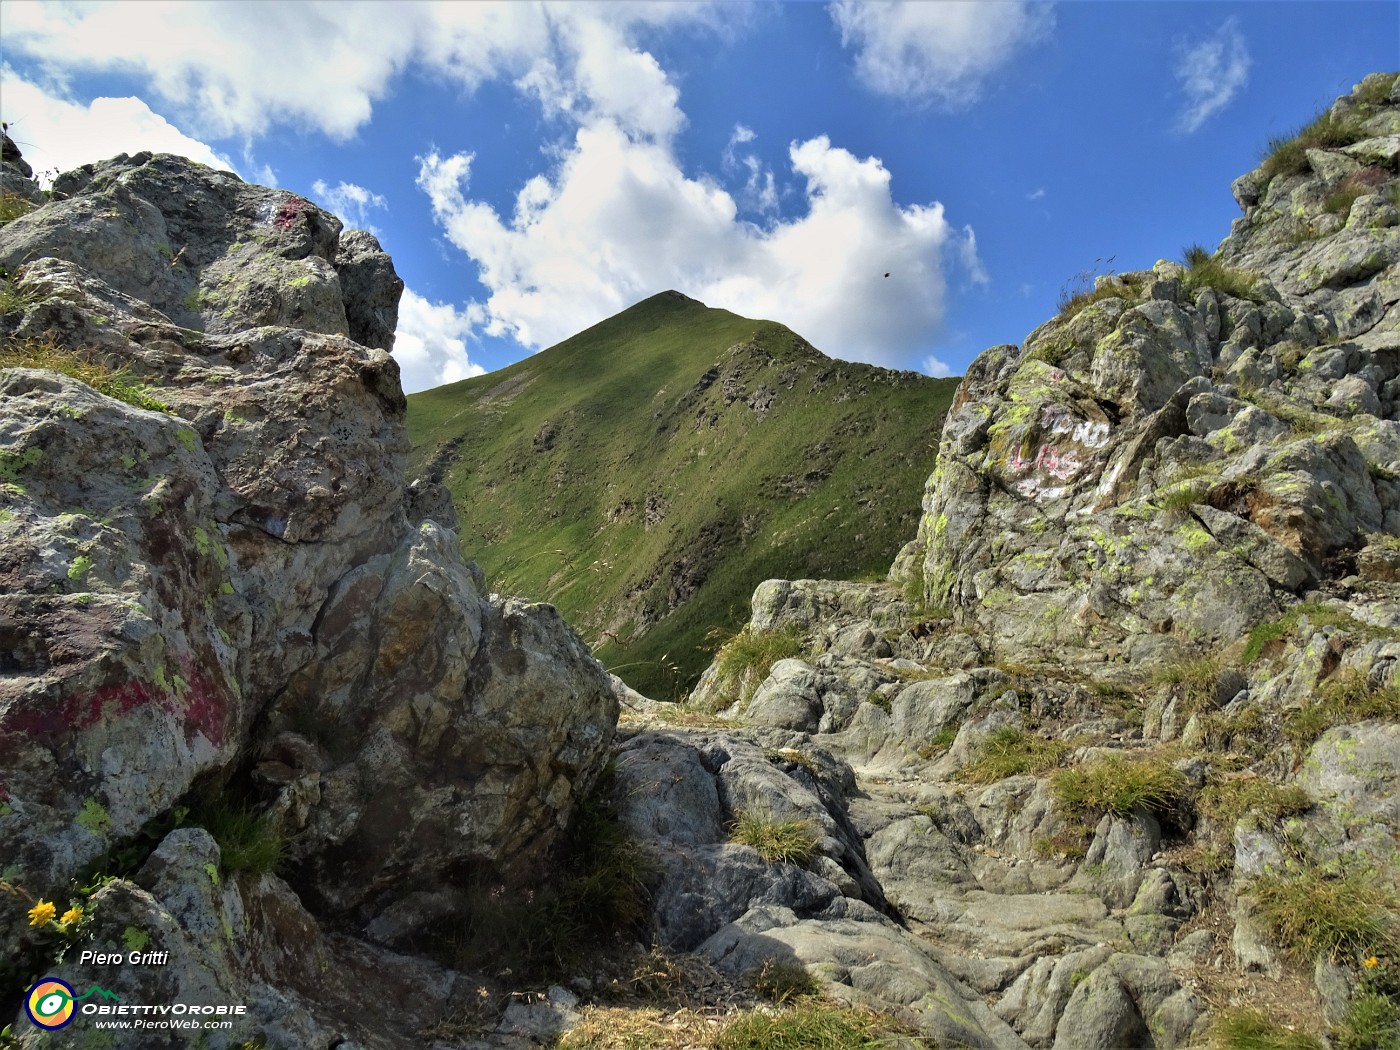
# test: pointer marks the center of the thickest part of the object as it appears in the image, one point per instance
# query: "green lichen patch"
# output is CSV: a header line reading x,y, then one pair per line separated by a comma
x,y
82,564
93,817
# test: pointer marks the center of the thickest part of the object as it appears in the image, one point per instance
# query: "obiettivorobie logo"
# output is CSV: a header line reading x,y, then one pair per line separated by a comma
x,y
51,1003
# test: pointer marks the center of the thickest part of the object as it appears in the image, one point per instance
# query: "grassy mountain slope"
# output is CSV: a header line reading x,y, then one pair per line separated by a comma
x,y
646,474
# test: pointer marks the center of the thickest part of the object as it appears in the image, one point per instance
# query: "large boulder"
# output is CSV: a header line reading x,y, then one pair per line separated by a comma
x,y
216,577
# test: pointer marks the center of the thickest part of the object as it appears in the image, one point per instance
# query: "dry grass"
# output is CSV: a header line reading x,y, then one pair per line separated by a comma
x,y
1323,910
12,206
1011,751
1121,786
1288,154
119,383
777,841
1071,304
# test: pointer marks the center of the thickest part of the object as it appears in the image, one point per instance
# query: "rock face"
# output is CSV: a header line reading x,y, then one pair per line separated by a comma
x,y
1160,465
219,580
1159,546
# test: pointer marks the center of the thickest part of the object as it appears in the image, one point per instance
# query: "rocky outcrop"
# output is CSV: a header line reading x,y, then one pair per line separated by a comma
x,y
217,582
1134,681
1182,449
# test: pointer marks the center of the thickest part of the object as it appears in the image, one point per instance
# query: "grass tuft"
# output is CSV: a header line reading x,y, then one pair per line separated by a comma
x,y
1288,154
784,981
1071,304
1174,502
1318,614
777,841
1113,784
1372,1023
1230,800
1204,270
12,206
119,383
1346,697
248,839
1377,91
1315,910
744,661
1012,751
806,1026
1193,681
1253,1030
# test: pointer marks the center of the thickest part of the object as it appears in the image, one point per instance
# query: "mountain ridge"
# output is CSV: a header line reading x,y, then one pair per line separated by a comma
x,y
685,453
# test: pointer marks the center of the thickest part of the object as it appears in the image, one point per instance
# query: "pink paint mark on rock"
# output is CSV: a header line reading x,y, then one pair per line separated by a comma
x,y
40,717
206,705
286,216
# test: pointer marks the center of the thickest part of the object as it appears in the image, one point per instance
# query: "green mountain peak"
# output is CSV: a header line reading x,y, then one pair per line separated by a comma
x,y
647,473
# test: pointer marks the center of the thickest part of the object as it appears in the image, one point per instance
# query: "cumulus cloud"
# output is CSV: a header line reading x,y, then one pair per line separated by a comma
x,y
58,134
936,52
1212,71
351,202
615,217
431,343
619,220
238,69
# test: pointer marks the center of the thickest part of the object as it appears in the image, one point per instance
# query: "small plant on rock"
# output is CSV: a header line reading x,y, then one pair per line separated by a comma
x,y
1114,784
119,383
1071,304
1230,800
1347,696
1194,681
784,981
1357,184
1313,910
12,206
744,661
1373,1015
777,841
1253,1030
1204,270
1012,751
1288,154
248,840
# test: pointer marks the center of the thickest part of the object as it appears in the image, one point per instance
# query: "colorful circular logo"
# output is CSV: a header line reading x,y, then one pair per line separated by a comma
x,y
49,1003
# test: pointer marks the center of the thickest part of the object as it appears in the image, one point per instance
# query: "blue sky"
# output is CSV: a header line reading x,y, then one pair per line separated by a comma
x,y
534,168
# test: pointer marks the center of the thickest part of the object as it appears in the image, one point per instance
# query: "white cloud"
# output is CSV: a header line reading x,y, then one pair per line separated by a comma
x,y
619,220
966,246
932,366
352,203
760,190
936,52
58,134
1212,72
1037,194
240,68
431,343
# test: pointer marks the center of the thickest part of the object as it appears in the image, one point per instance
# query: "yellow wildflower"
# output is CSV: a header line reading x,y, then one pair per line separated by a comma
x,y
71,917
1370,963
42,913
